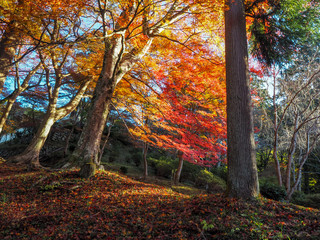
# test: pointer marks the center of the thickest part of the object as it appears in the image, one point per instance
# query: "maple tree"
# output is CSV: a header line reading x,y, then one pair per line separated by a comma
x,y
20,33
22,30
134,27
56,62
176,103
24,79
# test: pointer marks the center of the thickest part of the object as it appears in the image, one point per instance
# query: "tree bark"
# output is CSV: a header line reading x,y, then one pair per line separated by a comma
x,y
8,46
177,173
12,98
88,147
30,155
242,169
276,128
291,152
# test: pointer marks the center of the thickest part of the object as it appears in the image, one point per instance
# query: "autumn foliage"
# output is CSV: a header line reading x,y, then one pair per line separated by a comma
x,y
178,103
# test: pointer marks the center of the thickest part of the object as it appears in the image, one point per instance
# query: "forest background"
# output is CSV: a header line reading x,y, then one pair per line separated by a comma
x,y
125,84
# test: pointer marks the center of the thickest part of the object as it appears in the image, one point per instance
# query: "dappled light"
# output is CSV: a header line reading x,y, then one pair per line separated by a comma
x,y
159,119
61,205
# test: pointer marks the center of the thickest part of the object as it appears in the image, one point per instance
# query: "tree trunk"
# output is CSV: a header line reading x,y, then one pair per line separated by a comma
x,y
6,112
8,46
87,151
275,143
242,169
177,173
145,162
88,147
12,98
30,155
291,152
105,143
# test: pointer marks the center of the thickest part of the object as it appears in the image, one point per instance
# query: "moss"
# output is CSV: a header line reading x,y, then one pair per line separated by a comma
x,y
211,182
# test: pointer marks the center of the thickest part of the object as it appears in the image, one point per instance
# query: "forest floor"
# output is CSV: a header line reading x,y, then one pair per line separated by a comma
x,y
60,205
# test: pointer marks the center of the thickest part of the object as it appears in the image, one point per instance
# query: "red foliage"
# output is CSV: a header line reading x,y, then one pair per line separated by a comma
x,y
178,102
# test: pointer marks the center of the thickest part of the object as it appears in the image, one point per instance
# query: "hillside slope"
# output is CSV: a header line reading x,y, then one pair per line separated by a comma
x,y
60,205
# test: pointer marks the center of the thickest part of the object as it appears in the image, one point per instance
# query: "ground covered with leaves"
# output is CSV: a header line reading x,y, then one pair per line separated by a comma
x,y
60,205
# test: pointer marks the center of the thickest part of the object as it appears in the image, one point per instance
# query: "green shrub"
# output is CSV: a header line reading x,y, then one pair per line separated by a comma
x,y
217,185
203,178
163,166
164,169
211,182
298,196
221,172
189,171
123,169
152,162
272,190
307,200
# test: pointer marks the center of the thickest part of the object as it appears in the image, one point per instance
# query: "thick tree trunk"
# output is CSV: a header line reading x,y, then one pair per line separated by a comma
x,y
88,147
86,154
242,169
30,155
177,173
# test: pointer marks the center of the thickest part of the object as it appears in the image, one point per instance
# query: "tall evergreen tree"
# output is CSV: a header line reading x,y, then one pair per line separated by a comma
x,y
242,170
